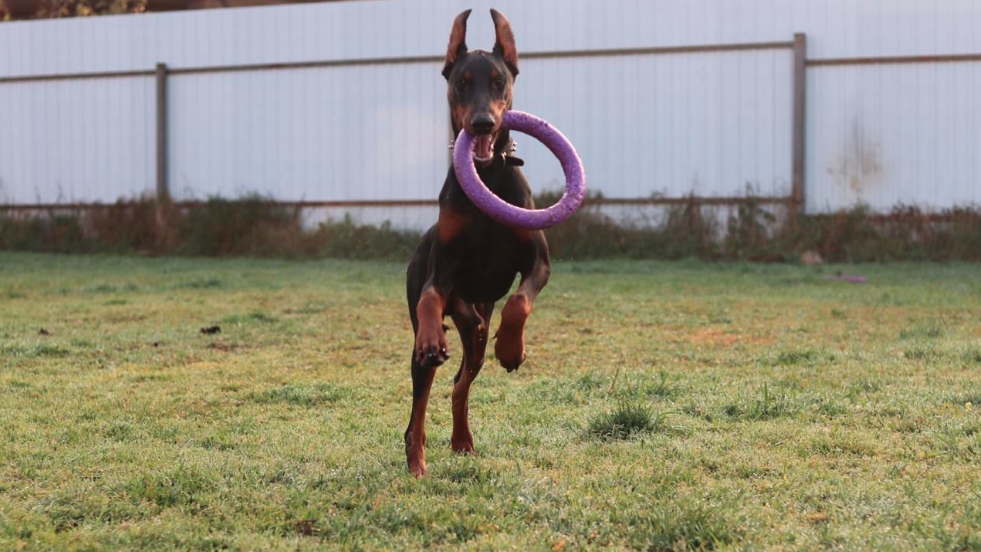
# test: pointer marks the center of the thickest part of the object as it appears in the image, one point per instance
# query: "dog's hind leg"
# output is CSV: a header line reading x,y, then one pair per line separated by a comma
x,y
422,376
415,434
472,321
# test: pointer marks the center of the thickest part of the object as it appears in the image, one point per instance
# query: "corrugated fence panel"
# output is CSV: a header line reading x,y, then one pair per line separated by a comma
x,y
894,134
713,124
340,30
76,141
309,134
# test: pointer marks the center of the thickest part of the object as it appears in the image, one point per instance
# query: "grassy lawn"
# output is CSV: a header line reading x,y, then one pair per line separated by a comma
x,y
663,406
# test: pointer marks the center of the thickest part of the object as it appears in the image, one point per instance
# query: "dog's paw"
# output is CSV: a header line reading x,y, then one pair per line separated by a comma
x,y
509,348
415,454
510,345
462,445
431,348
418,469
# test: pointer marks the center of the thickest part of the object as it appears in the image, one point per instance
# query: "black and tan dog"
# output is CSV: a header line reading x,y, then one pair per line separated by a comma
x,y
467,261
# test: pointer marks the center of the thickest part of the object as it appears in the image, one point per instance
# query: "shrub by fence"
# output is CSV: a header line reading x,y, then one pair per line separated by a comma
x,y
256,226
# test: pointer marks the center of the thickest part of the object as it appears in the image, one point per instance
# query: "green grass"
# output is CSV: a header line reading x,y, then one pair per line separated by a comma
x,y
664,406
625,422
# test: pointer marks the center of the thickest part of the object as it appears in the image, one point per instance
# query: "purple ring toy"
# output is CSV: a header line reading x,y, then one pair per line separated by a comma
x,y
500,210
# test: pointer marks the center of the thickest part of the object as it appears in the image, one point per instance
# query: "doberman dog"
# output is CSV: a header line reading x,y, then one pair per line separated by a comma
x,y
467,261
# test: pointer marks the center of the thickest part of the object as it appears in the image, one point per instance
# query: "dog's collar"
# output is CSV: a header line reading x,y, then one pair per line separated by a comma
x,y
507,156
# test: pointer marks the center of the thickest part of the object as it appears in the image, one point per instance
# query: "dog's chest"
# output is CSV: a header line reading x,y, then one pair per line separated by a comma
x,y
490,262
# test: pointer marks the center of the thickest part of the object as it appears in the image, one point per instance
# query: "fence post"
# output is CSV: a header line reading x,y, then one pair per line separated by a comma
x,y
163,191
799,124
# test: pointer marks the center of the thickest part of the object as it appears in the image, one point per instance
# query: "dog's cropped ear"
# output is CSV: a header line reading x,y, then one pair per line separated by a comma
x,y
504,46
458,42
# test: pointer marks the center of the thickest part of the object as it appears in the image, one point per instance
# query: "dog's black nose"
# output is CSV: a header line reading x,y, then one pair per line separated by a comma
x,y
482,124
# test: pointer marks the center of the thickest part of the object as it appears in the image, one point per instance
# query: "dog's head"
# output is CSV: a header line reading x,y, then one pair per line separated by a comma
x,y
480,83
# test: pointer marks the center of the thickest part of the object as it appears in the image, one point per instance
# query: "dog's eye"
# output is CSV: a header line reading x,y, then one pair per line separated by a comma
x,y
464,83
499,82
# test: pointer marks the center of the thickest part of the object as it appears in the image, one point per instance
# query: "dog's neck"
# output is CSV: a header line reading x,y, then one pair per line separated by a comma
x,y
504,150
503,144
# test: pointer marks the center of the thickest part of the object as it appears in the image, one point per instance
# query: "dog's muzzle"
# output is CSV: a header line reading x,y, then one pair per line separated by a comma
x,y
483,149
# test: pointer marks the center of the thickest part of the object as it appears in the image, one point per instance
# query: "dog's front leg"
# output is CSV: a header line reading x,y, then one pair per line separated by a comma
x,y
431,348
510,345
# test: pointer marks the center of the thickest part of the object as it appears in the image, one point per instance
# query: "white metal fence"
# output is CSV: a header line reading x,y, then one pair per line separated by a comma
x,y
343,102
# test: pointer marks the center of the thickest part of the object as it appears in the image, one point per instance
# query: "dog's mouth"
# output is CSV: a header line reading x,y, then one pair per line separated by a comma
x,y
483,148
